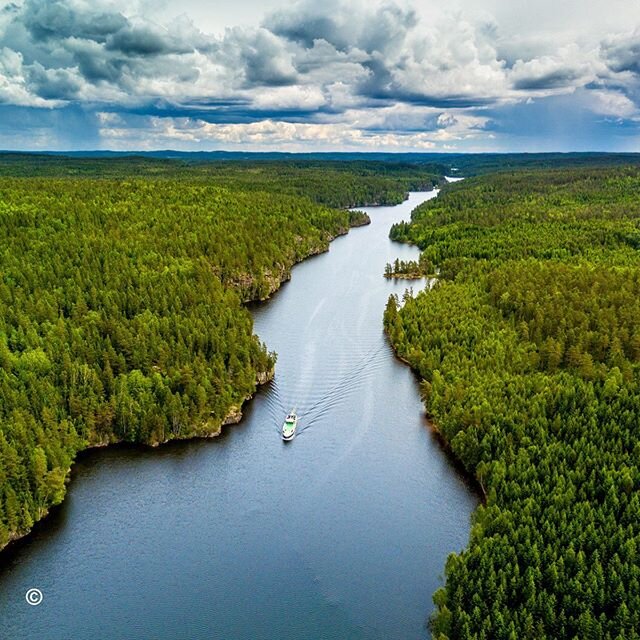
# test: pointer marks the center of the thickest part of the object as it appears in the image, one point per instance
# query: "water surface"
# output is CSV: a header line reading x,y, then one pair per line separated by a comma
x,y
340,534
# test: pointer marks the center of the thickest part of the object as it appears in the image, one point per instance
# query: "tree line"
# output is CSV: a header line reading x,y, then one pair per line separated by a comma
x,y
121,302
529,351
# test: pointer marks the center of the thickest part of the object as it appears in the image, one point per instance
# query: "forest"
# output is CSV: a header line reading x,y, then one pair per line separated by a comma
x,y
528,348
450,163
341,184
410,269
122,285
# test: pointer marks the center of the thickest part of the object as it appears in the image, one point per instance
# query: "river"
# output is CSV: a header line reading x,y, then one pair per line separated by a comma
x,y
340,534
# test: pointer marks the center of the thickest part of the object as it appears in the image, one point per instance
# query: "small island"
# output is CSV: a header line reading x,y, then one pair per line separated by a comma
x,y
409,269
358,218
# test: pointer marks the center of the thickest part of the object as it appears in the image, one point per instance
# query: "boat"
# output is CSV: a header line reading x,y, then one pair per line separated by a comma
x,y
289,426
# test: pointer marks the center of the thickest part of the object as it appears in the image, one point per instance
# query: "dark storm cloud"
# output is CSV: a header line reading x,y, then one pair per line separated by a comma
x,y
263,56
342,26
552,80
220,112
93,64
143,41
292,27
623,53
54,84
56,19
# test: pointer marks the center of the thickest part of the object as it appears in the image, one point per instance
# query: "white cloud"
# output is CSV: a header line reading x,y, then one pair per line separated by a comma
x,y
13,82
354,133
612,103
569,68
382,73
303,98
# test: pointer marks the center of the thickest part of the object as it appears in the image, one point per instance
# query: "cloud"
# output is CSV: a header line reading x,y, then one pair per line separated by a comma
x,y
621,52
185,133
381,70
568,69
14,89
54,84
262,56
346,26
144,41
396,128
308,99
612,103
392,55
57,19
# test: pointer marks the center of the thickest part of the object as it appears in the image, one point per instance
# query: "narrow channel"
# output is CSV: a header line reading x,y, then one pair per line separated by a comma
x,y
341,533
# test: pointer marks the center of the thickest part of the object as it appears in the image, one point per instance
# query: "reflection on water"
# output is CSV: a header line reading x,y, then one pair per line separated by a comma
x,y
342,533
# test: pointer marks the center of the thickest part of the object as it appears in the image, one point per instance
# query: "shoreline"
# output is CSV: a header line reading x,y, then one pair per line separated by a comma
x,y
406,276
469,478
234,415
286,273
444,443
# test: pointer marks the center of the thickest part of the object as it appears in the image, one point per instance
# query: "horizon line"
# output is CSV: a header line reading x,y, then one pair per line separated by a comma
x,y
139,152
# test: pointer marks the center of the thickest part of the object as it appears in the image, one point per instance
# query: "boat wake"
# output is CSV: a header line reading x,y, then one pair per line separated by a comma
x,y
337,392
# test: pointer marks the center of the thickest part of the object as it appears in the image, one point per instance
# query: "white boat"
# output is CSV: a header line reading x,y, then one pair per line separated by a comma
x,y
289,426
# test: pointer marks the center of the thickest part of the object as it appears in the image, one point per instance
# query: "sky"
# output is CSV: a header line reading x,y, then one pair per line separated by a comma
x,y
320,75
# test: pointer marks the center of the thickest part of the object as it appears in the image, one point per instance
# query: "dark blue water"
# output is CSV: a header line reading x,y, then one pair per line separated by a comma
x,y
341,534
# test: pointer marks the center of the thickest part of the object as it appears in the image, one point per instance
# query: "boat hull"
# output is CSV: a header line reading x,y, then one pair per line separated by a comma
x,y
289,427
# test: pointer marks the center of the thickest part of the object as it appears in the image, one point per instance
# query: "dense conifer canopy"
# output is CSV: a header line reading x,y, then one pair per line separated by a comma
x,y
529,348
121,291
